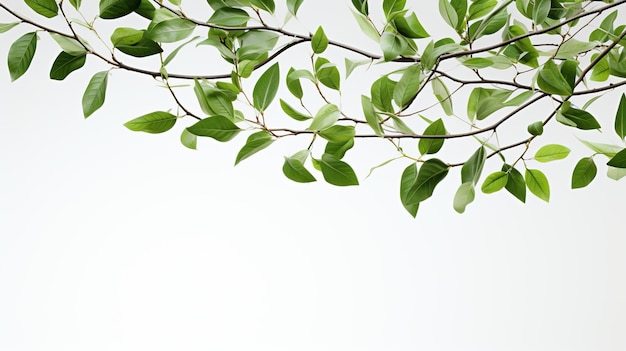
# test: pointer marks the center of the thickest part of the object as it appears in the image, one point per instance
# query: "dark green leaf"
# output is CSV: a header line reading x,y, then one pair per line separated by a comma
x,y
432,146
584,172
46,8
294,169
145,9
21,54
409,177
392,7
219,128
552,152
110,9
95,93
339,149
266,87
430,174
551,81
145,47
319,41
65,64
410,27
76,3
255,143
361,6
578,118
538,184
327,73
516,185
619,160
267,5
472,168
620,118
337,172
155,122
495,182
126,36
535,128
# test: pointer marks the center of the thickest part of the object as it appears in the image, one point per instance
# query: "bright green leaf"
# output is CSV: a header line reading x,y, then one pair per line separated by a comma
x,y
155,122
170,31
46,8
266,87
620,118
255,143
552,152
294,169
494,182
337,172
319,41
408,179
95,93
325,117
189,140
219,128
538,184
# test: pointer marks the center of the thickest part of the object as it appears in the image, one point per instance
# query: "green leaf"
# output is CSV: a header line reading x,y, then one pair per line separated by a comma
x,y
538,184
339,149
603,149
327,73
620,118
5,27
189,140
267,5
473,167
443,95
464,196
578,118
616,173
516,185
338,134
541,11
392,7
95,93
361,6
219,128
448,13
145,9
407,87
173,54
65,64
292,112
325,117
601,71
366,26
69,45
432,146
337,172
294,169
535,128
382,93
293,6
229,17
266,87
46,8
372,118
110,9
255,143
319,41
495,182
154,123
432,172
552,152
584,172
352,64
480,8
21,54
171,30
571,48
76,3
409,177
293,81
410,27
551,81
126,36
145,47
619,160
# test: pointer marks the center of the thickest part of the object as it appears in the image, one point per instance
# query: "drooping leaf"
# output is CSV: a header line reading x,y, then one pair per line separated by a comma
x,y
408,179
145,9
229,17
255,143
219,128
372,118
430,174
382,93
145,47
432,146
443,95
607,150
337,172
170,31
338,133
293,81
552,152
189,140
537,183
551,81
407,87
95,93
361,6
616,173
266,87
21,54
577,118
69,45
473,167
154,123
293,168
584,173
366,25
339,149
267,5
516,185
327,73
110,9
292,112
319,41
448,13
5,27
293,6
410,27
541,11
392,7
620,118
46,8
464,196
495,182
619,160
65,64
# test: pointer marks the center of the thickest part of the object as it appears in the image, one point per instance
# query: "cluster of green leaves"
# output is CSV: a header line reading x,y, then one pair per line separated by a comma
x,y
538,47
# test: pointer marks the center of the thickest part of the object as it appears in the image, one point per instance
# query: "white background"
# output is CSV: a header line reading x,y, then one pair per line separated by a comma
x,y
114,240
